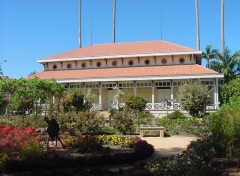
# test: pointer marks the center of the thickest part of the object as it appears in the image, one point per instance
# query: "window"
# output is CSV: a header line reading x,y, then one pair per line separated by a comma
x,y
99,64
83,65
147,62
114,63
54,67
181,60
130,62
164,61
69,66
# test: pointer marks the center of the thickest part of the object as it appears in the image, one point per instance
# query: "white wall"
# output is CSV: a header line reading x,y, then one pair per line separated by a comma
x,y
107,63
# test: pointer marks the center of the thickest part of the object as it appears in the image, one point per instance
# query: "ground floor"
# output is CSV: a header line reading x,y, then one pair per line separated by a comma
x,y
161,95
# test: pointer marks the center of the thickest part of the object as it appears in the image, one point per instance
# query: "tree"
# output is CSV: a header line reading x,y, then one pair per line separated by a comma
x,y
227,64
230,91
194,97
135,104
32,73
197,25
222,26
24,94
74,98
209,54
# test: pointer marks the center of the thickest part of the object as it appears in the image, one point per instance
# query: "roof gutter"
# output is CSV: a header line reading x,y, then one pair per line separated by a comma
x,y
177,77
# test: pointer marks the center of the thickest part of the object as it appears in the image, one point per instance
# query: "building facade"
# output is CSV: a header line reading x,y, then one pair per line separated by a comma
x,y
151,69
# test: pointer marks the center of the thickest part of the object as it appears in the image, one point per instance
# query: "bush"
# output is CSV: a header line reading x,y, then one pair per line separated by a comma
x,y
31,150
19,121
123,122
135,103
143,150
116,140
89,144
182,126
194,97
145,118
176,115
196,160
224,129
230,91
74,99
84,122
11,139
85,143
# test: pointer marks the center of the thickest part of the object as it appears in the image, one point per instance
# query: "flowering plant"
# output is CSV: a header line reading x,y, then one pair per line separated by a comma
x,y
11,139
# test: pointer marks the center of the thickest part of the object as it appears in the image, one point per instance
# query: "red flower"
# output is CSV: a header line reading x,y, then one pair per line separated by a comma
x,y
31,129
7,129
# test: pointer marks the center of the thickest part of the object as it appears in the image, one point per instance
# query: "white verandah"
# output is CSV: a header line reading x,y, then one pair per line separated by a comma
x,y
161,95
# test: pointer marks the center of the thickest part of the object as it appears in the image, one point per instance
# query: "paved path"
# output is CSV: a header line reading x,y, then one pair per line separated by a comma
x,y
168,146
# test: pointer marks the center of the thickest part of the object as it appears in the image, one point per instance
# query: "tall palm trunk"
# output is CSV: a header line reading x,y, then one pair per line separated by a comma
x,y
197,25
114,21
80,24
222,27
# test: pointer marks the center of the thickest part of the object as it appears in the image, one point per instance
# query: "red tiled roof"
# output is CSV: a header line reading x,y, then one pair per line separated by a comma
x,y
127,48
172,70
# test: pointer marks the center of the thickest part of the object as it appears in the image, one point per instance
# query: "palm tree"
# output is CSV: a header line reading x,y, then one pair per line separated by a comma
x,y
227,64
1,73
197,25
222,26
80,24
209,54
114,21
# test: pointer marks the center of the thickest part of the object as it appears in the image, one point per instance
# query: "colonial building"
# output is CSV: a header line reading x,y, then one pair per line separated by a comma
x,y
151,69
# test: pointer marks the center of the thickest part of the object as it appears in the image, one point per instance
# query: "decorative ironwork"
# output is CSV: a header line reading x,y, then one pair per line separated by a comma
x,y
96,107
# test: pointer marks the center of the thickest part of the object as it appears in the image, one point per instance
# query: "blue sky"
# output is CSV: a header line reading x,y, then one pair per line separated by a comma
x,y
34,29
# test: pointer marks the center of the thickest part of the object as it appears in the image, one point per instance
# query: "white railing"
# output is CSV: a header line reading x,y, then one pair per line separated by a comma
x,y
149,106
163,106
211,107
177,106
96,107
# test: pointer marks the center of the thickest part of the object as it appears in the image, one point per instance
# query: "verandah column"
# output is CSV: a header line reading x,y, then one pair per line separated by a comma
x,y
153,95
216,101
100,95
135,88
172,94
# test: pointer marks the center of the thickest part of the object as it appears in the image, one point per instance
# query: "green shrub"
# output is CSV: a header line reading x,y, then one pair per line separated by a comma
x,y
230,91
123,122
224,129
196,160
145,118
85,143
143,150
31,150
19,121
176,115
135,103
74,99
182,126
194,97
83,121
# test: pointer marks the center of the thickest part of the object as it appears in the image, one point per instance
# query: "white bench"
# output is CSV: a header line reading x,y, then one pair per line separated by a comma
x,y
143,129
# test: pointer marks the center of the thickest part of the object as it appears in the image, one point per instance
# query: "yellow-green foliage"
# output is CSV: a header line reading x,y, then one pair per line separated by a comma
x,y
116,140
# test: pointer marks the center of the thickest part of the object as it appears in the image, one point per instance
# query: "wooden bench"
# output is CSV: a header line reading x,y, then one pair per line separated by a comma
x,y
143,129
